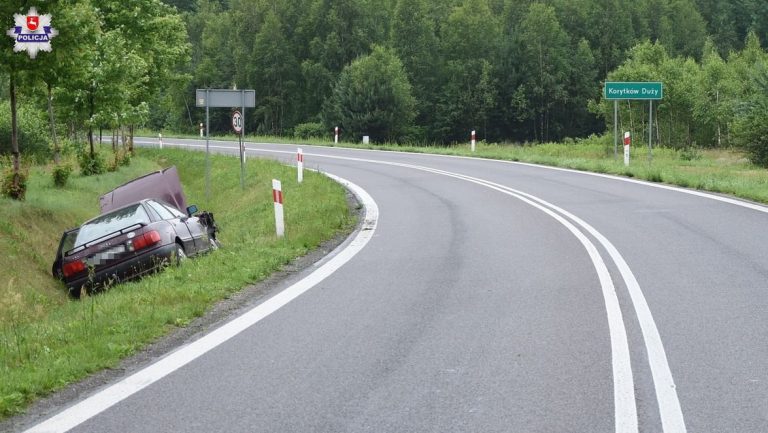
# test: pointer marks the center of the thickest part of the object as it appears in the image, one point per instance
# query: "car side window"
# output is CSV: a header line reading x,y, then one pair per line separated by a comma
x,y
177,213
161,210
152,214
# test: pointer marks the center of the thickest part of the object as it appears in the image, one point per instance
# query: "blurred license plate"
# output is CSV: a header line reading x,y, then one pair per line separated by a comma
x,y
105,256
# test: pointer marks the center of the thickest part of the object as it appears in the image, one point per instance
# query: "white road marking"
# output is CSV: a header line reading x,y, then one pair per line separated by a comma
x,y
671,413
623,383
666,392
99,402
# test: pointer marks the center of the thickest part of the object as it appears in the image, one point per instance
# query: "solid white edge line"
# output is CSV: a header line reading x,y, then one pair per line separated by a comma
x,y
666,393
623,382
101,401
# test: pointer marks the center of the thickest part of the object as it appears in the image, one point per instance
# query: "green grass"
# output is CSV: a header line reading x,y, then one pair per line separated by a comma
x,y
48,341
726,171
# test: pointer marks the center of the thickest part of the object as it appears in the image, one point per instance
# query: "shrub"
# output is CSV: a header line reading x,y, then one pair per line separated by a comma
x,y
689,153
91,164
123,157
14,185
311,130
69,147
61,174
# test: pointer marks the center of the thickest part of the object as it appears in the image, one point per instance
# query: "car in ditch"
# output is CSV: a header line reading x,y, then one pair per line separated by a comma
x,y
130,240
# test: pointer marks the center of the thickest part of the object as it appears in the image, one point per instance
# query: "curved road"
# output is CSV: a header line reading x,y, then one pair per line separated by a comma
x,y
486,296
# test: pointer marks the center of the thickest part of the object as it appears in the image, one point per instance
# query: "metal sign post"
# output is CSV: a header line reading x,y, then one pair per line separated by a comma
x,y
650,131
615,129
242,161
222,98
237,125
646,91
207,151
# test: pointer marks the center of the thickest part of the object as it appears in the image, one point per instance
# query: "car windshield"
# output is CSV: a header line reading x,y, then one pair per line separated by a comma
x,y
111,222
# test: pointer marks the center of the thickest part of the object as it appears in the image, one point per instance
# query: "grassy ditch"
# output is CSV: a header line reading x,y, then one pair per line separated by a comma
x,y
724,171
48,341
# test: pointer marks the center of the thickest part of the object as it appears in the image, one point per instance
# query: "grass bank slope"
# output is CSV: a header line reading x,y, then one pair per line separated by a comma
x,y
48,341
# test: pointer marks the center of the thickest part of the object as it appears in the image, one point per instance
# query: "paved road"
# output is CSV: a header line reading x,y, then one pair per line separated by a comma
x,y
494,297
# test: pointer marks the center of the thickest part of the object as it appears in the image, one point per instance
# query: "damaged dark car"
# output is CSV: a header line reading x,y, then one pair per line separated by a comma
x,y
141,229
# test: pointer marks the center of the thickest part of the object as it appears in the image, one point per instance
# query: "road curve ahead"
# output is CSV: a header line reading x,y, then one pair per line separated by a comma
x,y
488,297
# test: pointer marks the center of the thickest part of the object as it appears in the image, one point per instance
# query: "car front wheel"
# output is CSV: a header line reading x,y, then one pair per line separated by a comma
x,y
214,244
180,254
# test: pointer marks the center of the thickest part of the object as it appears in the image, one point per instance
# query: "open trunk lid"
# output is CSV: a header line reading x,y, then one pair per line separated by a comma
x,y
160,185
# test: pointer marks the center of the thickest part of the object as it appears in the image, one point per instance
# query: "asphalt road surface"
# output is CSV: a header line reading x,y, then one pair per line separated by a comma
x,y
482,296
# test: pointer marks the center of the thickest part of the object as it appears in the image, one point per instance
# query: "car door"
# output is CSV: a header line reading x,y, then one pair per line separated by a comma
x,y
196,229
179,225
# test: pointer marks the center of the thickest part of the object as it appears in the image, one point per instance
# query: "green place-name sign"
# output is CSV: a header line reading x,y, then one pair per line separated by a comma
x,y
631,90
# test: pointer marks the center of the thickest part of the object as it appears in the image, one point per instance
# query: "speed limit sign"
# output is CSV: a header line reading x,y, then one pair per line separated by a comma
x,y
237,121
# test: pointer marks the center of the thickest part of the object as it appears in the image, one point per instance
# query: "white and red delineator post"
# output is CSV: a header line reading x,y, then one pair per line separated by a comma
x,y
201,129
473,140
160,139
300,164
336,135
277,196
627,144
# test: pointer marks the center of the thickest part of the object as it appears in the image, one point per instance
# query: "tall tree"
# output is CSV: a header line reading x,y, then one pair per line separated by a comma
x,y
715,100
15,65
373,97
681,28
273,75
470,47
611,32
751,129
336,32
413,38
544,55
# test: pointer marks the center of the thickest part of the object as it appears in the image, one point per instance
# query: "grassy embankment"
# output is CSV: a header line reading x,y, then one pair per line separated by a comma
x,y
48,341
717,170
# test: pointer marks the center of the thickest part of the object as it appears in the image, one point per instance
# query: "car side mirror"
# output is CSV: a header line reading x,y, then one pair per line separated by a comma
x,y
191,210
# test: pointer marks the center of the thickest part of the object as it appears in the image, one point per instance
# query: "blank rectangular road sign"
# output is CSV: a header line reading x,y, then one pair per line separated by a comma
x,y
225,98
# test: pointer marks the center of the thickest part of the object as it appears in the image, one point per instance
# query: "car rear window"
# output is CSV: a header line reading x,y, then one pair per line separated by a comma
x,y
111,222
68,241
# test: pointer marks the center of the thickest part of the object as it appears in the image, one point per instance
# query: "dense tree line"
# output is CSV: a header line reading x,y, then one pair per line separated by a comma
x,y
514,70
113,64
416,70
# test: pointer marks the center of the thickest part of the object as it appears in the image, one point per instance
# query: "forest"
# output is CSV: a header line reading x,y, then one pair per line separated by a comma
x,y
417,71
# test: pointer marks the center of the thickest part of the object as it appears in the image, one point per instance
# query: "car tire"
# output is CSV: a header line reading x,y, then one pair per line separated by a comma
x,y
180,255
214,244
74,293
